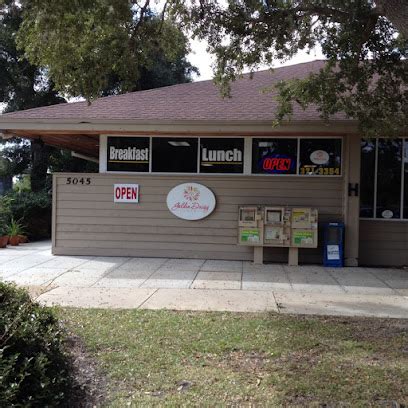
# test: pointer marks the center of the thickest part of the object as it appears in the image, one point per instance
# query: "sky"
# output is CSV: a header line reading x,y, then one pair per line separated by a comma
x,y
201,59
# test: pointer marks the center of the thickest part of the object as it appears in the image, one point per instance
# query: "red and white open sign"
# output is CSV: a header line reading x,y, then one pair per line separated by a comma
x,y
126,193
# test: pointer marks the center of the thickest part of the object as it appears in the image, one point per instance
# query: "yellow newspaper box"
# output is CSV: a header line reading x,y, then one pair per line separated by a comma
x,y
304,228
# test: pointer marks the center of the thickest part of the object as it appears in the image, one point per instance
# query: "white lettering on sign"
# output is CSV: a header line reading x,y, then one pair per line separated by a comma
x,y
191,201
126,193
221,156
129,154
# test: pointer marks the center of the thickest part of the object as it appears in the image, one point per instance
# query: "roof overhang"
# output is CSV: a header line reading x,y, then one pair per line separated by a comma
x,y
82,136
114,126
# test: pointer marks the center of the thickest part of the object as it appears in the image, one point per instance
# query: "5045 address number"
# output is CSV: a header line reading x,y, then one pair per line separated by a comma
x,y
85,181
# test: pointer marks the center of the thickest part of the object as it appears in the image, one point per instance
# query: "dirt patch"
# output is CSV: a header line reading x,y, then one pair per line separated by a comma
x,y
239,361
375,329
90,388
247,362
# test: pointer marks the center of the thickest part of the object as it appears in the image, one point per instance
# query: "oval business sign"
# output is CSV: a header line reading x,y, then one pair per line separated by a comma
x,y
387,214
191,201
319,157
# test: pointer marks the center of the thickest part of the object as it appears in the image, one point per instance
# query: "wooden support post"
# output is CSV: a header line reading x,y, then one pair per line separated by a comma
x,y
293,256
352,201
258,255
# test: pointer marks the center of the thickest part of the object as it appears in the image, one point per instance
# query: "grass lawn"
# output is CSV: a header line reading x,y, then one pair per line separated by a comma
x,y
164,358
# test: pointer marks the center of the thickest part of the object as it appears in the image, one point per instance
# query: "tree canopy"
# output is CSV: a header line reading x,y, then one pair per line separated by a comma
x,y
28,83
84,42
22,84
87,44
365,43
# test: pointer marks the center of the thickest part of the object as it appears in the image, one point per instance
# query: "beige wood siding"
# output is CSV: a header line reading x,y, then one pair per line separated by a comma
x,y
88,222
383,243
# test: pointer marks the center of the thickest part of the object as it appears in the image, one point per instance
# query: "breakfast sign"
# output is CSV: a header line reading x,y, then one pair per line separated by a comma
x,y
191,201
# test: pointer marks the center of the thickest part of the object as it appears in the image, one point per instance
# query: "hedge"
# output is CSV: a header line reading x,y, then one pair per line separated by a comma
x,y
32,210
35,370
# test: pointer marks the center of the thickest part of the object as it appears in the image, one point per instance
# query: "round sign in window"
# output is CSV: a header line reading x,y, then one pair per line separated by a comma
x,y
387,214
191,201
319,157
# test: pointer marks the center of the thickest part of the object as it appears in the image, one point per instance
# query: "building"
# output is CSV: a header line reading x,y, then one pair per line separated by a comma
x,y
160,138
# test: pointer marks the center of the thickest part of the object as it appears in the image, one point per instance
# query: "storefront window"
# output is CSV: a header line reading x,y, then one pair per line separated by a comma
x,y
221,155
384,194
274,156
367,178
389,178
174,155
128,154
320,157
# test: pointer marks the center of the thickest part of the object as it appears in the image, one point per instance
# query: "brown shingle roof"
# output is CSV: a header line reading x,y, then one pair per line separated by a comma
x,y
197,101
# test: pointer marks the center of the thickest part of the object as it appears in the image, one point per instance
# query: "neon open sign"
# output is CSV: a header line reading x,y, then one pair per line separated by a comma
x,y
277,164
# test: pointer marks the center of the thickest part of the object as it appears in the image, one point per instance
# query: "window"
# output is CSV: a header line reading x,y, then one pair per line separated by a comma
x,y
221,155
316,156
389,178
321,157
174,155
384,179
274,156
128,154
226,155
367,172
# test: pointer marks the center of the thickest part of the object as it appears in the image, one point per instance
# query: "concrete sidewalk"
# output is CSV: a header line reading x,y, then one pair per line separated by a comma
x,y
190,284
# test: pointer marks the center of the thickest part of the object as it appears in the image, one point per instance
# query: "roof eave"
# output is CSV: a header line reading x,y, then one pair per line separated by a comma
x,y
104,126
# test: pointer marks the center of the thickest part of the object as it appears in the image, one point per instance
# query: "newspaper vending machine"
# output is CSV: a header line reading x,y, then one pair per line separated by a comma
x,y
270,226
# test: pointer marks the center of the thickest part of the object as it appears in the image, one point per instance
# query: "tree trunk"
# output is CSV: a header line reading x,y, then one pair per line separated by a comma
x,y
396,11
40,155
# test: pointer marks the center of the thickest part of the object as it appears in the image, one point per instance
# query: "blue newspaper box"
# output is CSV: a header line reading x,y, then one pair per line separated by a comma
x,y
333,244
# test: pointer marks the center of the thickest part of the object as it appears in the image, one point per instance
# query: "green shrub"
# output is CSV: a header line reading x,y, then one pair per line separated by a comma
x,y
34,368
33,210
15,228
3,227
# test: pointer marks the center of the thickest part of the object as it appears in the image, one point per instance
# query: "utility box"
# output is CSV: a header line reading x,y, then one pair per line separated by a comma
x,y
333,244
250,226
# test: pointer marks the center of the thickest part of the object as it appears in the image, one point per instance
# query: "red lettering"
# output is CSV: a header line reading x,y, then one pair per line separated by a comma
x,y
267,164
275,163
117,192
123,192
134,193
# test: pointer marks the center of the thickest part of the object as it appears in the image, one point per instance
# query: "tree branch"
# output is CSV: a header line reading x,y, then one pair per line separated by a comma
x,y
142,14
162,16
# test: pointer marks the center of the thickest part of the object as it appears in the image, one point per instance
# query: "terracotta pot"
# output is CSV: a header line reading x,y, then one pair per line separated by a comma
x,y
14,240
4,241
23,239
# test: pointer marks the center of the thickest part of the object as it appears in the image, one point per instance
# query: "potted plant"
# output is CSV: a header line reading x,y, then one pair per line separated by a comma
x,y
23,239
3,235
14,230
